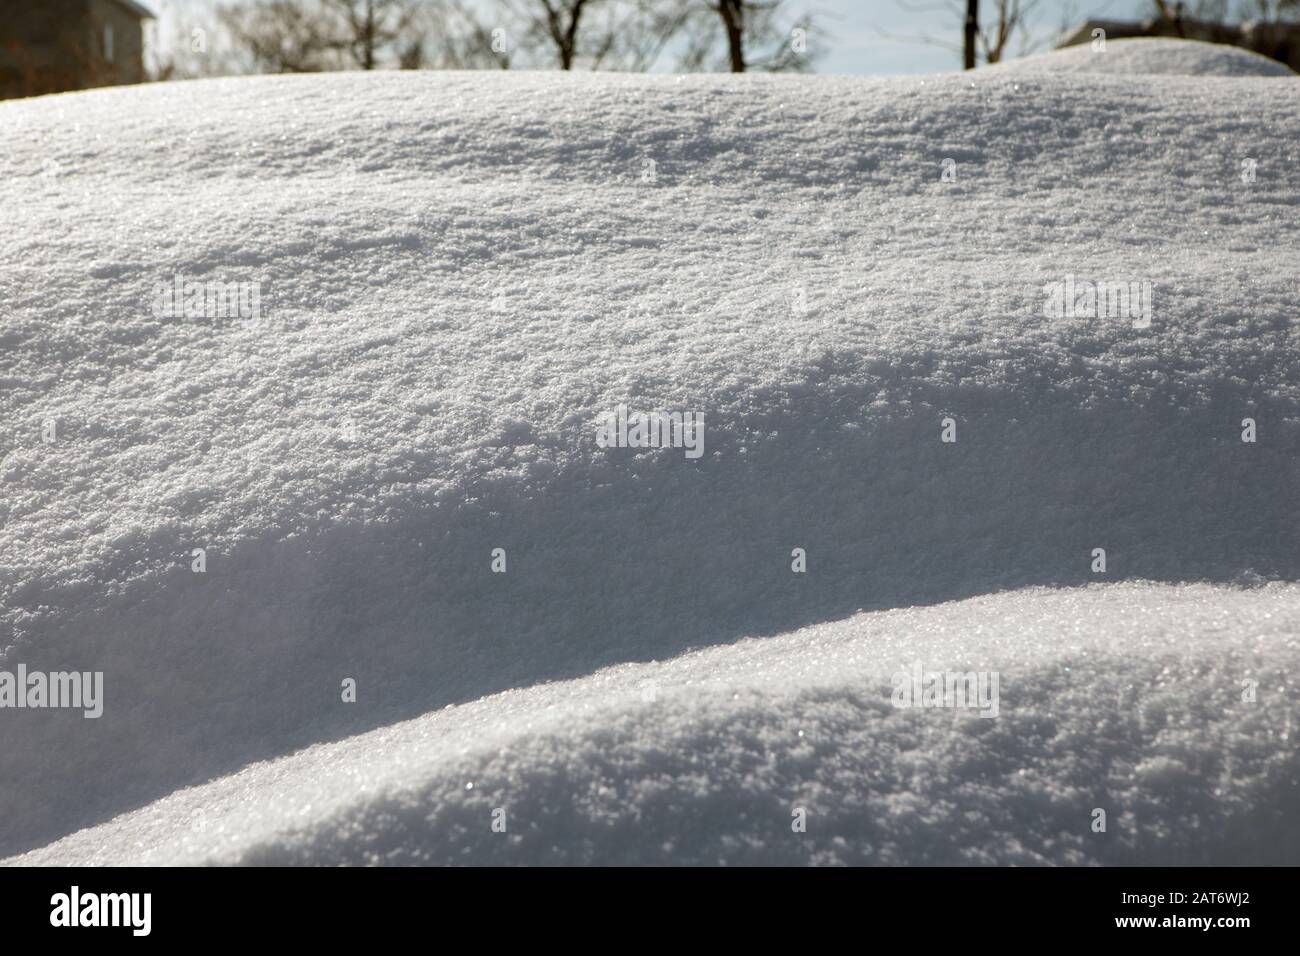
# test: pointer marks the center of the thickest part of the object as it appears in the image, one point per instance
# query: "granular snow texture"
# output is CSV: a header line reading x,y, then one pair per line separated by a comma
x,y
462,272
1125,698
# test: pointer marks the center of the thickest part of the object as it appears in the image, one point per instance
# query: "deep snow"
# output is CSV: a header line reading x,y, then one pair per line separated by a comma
x,y
463,271
1125,698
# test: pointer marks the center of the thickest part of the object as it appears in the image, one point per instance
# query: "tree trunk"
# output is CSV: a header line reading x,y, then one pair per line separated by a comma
x,y
570,42
368,50
564,34
972,29
733,18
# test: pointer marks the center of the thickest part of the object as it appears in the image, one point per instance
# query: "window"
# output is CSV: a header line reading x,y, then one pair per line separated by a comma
x,y
108,42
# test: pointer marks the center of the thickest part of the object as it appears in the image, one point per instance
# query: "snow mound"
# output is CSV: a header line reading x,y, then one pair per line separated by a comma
x,y
462,273
707,758
1142,55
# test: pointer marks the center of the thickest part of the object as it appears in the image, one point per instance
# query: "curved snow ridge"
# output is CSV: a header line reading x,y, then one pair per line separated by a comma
x,y
449,319
643,556
1148,56
1173,709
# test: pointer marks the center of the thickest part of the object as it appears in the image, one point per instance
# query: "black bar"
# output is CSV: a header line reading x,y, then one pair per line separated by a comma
x,y
332,906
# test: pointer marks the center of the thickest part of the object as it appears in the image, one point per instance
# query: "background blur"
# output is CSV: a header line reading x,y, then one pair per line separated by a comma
x,y
60,45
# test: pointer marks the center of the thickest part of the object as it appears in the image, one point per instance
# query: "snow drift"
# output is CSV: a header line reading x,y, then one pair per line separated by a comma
x,y
1140,55
705,758
460,273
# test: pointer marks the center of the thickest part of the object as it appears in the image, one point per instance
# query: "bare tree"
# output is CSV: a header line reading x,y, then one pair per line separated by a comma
x,y
971,30
1012,15
281,36
733,21
555,24
1170,13
305,35
648,27
611,34
363,28
754,37
296,36
987,42
456,38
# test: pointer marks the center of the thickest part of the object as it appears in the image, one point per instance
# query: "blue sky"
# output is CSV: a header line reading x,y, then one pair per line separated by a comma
x,y
867,36
861,36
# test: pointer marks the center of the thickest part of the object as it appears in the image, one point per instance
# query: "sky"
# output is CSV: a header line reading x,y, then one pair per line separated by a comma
x,y
860,36
881,36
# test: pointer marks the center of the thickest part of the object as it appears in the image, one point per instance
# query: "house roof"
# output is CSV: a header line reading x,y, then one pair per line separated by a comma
x,y
1206,30
136,10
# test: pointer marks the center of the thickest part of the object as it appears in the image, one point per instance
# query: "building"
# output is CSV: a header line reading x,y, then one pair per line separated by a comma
x,y
1278,41
58,45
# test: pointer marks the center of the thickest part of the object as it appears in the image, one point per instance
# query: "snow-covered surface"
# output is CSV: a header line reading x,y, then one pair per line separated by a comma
x,y
1125,698
462,272
1150,56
